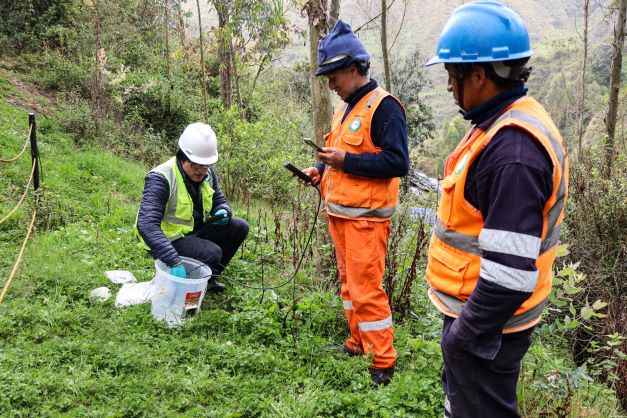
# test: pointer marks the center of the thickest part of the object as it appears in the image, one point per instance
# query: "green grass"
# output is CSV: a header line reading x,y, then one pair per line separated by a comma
x,y
64,354
244,356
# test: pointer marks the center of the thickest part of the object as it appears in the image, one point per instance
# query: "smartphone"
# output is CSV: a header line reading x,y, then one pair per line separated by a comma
x,y
304,177
217,217
312,144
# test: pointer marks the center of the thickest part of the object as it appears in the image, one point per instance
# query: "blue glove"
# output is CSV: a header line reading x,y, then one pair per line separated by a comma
x,y
178,271
223,221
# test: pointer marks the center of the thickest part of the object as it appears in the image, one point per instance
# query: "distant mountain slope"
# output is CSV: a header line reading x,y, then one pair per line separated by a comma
x,y
547,21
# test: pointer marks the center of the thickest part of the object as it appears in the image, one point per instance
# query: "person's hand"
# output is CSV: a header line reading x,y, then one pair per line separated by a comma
x,y
223,221
332,156
314,174
178,271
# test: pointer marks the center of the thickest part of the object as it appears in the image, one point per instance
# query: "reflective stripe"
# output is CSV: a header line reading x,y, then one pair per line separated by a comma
x,y
167,170
462,242
360,212
517,114
334,59
558,149
556,209
447,407
348,304
374,96
171,219
511,278
341,112
376,325
175,237
551,240
455,307
512,243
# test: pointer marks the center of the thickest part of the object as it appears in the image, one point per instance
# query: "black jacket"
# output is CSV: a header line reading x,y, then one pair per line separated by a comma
x,y
152,209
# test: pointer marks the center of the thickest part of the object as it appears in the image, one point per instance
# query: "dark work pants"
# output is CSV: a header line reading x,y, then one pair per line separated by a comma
x,y
214,245
476,387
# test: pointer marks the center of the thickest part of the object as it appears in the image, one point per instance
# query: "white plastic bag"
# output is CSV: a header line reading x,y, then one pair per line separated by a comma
x,y
100,294
135,293
120,276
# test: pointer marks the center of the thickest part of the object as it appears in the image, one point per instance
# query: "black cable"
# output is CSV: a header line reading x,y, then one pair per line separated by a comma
x,y
302,256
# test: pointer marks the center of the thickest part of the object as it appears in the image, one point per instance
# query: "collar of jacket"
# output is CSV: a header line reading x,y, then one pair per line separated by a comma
x,y
358,94
486,111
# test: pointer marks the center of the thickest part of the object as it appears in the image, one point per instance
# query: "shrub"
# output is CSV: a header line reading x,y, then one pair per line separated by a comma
x,y
150,100
595,228
57,72
27,24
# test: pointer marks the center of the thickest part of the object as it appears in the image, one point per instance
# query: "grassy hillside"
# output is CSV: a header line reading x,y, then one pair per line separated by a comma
x,y
62,353
246,354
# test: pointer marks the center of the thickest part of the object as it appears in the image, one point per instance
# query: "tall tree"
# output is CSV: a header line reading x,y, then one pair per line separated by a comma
x,y
615,79
321,106
202,64
97,89
582,92
384,46
260,30
225,50
322,109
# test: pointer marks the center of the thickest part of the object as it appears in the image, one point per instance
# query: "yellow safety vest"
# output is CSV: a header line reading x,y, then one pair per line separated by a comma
x,y
178,219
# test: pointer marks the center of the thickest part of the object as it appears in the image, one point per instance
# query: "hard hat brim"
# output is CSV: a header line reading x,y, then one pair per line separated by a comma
x,y
203,161
458,60
334,66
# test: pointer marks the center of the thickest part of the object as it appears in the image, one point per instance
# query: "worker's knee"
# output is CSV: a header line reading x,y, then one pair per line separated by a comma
x,y
211,253
240,228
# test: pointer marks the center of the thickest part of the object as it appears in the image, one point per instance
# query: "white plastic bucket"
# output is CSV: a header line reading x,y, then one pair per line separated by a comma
x,y
173,297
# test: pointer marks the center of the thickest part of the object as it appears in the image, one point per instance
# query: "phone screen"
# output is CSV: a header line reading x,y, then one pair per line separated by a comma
x,y
312,144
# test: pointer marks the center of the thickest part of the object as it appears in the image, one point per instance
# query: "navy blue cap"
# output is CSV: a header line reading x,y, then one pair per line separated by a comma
x,y
340,48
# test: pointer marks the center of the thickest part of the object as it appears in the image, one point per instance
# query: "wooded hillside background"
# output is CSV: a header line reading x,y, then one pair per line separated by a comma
x,y
114,83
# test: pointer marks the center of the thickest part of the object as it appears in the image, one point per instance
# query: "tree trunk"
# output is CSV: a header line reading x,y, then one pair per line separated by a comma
x,y
202,65
615,75
582,93
334,13
238,92
224,53
166,29
180,25
322,109
166,32
384,45
96,85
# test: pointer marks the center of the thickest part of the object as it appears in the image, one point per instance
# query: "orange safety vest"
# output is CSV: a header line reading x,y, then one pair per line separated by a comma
x,y
454,252
347,195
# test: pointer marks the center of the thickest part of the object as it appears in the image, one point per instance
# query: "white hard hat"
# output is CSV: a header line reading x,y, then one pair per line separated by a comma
x,y
199,143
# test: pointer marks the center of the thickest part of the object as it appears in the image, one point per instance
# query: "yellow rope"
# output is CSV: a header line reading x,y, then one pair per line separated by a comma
x,y
24,194
19,257
30,129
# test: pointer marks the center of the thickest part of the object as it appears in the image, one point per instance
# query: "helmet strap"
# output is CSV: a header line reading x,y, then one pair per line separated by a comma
x,y
459,79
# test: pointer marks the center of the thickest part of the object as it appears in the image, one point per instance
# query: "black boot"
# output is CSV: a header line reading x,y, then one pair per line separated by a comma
x,y
349,352
381,376
215,286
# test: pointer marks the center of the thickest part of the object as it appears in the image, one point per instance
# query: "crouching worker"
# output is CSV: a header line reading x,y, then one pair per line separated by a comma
x,y
180,198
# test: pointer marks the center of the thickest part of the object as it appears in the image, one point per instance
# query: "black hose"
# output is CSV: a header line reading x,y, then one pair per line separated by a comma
x,y
302,256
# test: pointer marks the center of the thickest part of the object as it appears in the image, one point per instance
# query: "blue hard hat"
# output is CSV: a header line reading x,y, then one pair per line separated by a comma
x,y
340,48
482,31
